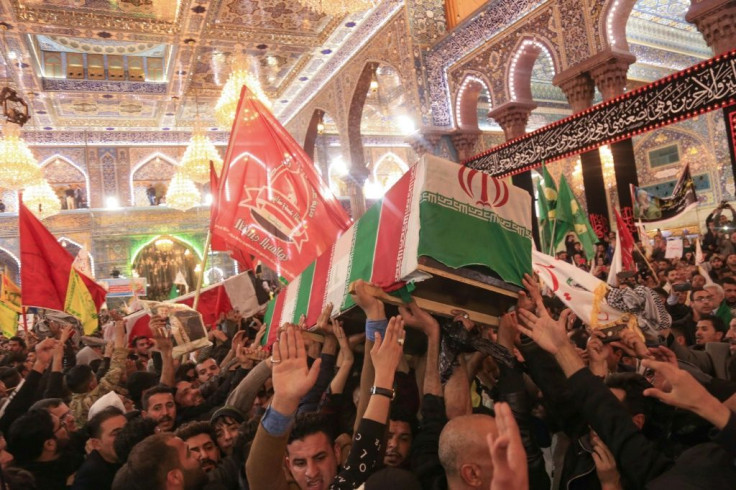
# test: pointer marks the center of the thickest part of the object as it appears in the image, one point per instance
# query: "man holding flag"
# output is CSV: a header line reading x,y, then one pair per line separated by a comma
x,y
547,191
569,217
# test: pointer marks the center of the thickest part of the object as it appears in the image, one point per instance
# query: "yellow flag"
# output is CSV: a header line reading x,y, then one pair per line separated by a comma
x,y
10,294
8,320
79,303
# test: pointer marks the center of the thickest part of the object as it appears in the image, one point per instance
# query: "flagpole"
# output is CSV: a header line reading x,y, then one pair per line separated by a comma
x,y
552,239
202,268
645,260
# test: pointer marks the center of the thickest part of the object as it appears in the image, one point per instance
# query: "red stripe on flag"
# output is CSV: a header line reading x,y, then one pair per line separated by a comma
x,y
278,309
389,241
211,303
319,286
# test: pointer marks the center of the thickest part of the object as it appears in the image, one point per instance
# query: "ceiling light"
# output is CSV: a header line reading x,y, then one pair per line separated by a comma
x,y
406,124
182,194
195,164
41,200
19,168
245,73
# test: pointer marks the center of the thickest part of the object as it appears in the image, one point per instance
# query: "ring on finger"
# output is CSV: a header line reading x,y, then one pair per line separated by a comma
x,y
275,361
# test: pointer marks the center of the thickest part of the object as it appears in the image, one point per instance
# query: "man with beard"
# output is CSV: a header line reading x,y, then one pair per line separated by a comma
x,y
159,405
37,440
98,470
200,439
398,443
160,462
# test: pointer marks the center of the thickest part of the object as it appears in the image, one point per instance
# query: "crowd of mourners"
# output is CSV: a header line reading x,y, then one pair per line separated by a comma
x,y
406,400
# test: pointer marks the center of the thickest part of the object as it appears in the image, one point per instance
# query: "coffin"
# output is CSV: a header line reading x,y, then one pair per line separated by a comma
x,y
448,236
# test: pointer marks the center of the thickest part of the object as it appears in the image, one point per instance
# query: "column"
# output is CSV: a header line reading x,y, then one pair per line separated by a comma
x,y
579,90
716,21
609,75
464,142
512,117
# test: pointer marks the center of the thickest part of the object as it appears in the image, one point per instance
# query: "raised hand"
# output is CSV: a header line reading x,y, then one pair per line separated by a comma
x,y
323,321
387,352
507,452
45,351
549,334
66,333
416,317
372,306
343,341
508,330
161,335
292,379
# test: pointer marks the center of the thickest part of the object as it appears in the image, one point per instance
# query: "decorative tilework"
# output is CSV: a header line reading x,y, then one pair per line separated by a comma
x,y
64,85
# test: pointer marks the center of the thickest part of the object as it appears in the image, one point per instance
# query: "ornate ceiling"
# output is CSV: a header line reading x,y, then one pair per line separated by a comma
x,y
154,64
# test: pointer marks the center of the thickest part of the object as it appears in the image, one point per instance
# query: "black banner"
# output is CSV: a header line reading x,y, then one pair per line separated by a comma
x,y
650,208
704,87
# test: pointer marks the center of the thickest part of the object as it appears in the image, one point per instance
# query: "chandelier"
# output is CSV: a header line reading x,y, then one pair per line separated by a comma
x,y
338,7
19,168
195,164
244,74
41,200
182,194
164,244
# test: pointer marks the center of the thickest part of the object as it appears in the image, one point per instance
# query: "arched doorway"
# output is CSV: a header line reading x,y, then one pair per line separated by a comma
x,y
161,260
154,172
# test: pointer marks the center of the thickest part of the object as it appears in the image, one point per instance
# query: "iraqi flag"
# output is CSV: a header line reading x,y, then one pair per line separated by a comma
x,y
49,279
455,215
271,203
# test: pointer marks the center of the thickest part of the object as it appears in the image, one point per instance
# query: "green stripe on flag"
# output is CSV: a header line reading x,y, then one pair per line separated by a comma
x,y
473,236
305,289
267,320
364,247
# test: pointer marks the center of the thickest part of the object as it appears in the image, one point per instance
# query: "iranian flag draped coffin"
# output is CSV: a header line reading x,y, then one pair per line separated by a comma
x,y
439,209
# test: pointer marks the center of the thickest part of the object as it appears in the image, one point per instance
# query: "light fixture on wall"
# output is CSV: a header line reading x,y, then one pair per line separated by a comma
x,y
608,166
339,7
245,73
41,200
182,194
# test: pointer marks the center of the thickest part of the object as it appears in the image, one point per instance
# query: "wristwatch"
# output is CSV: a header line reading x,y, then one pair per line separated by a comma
x,y
389,393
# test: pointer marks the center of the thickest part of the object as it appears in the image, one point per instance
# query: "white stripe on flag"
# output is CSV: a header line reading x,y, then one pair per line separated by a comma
x,y
409,259
242,294
342,254
292,292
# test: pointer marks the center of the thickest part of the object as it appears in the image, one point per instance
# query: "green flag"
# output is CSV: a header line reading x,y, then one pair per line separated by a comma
x,y
571,218
174,293
547,191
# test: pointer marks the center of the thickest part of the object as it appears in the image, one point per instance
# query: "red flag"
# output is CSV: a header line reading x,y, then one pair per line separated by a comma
x,y
271,202
217,240
47,276
627,243
211,304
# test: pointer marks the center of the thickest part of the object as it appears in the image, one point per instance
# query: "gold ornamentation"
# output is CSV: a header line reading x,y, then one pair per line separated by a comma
x,y
182,194
42,200
195,164
18,168
338,7
245,73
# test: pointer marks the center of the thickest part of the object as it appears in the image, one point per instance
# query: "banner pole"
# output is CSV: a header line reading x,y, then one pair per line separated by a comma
x,y
552,239
202,268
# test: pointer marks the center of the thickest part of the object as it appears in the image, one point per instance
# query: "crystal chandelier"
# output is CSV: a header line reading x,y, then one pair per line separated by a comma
x,y
338,7
182,194
607,165
41,200
18,169
244,74
195,164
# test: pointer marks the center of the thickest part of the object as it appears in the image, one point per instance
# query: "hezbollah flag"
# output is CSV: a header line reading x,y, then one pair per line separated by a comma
x,y
271,203
10,306
455,215
49,279
547,192
571,218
